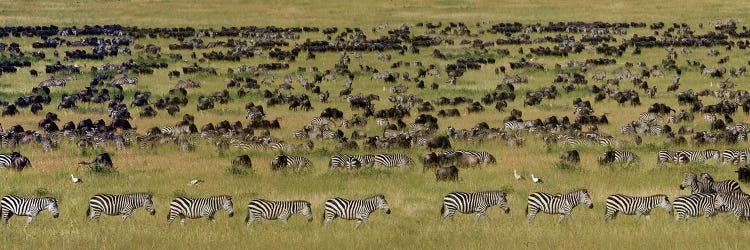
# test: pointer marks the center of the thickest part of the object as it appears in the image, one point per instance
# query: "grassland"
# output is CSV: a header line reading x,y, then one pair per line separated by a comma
x,y
414,197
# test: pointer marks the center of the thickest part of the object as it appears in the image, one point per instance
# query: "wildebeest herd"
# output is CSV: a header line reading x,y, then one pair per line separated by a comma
x,y
430,66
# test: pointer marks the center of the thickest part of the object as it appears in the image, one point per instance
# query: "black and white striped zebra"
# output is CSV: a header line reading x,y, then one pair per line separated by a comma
x,y
365,160
562,204
484,157
635,205
320,121
6,159
650,118
696,187
694,205
687,156
290,162
737,203
473,203
194,208
615,156
276,210
726,186
359,210
393,160
25,206
735,156
666,156
344,161
119,204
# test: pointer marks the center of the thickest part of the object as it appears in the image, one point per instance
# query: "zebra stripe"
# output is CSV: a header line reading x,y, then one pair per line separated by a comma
x,y
393,160
665,156
614,156
359,210
650,118
23,206
472,203
698,156
727,186
276,210
737,203
344,161
634,205
6,159
193,208
694,205
119,204
562,204
365,160
290,162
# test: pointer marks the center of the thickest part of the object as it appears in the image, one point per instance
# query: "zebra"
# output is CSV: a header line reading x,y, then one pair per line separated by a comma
x,y
614,156
650,118
193,208
365,160
393,160
290,162
358,210
730,202
320,121
473,203
514,125
272,210
6,159
344,161
484,157
698,156
694,205
727,186
634,205
691,180
119,204
666,156
562,204
24,206
735,156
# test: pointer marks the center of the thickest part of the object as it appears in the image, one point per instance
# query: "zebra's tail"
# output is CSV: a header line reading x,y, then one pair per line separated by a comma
x,y
442,210
88,211
323,217
247,218
527,210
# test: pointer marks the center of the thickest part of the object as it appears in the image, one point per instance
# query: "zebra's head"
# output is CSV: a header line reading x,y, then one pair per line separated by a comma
x,y
688,181
502,202
148,204
585,198
664,203
705,177
382,204
52,206
306,210
226,204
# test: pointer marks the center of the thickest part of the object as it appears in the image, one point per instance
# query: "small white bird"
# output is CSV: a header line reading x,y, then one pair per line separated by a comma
x,y
515,174
75,179
195,182
536,180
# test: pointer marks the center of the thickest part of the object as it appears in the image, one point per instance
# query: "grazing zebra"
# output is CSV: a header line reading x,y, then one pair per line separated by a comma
x,y
666,156
344,161
320,121
23,206
119,204
696,187
272,210
485,158
730,202
6,159
393,160
710,117
194,208
358,210
614,156
727,186
290,162
365,160
694,205
735,156
633,205
473,203
382,122
735,195
650,118
562,204
698,156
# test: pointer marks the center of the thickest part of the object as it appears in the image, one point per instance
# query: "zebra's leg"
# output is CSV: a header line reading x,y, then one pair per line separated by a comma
x,y
531,215
284,217
362,220
30,219
126,215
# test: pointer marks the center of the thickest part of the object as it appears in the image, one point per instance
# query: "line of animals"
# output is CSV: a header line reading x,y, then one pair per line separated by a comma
x,y
708,197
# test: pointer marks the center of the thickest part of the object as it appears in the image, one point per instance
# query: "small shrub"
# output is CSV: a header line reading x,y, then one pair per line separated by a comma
x,y
42,192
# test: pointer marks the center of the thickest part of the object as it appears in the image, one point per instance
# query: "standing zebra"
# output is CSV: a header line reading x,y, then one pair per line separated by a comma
x,y
365,160
393,160
738,206
119,204
344,161
665,156
633,205
358,210
272,210
694,205
473,203
194,208
698,156
691,180
22,206
290,162
614,156
726,186
562,204
484,157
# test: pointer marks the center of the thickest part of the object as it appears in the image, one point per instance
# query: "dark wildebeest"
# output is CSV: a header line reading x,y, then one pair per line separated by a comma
x,y
446,174
242,161
441,142
20,162
102,160
571,156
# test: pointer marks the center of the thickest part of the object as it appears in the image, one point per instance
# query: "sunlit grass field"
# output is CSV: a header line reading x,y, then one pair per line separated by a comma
x,y
414,197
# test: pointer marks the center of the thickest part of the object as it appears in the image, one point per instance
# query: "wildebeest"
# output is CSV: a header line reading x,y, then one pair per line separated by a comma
x,y
446,174
242,161
101,160
571,156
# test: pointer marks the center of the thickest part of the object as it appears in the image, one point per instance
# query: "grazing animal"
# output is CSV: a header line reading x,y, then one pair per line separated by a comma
x,y
276,210
694,205
194,208
473,203
359,210
562,204
739,207
23,206
195,182
634,205
446,174
119,204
